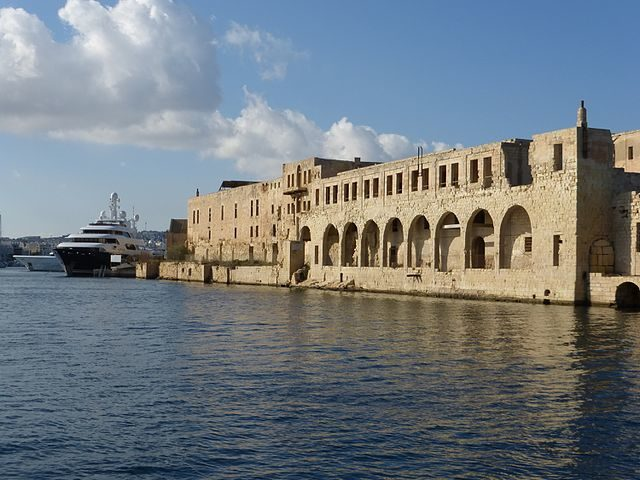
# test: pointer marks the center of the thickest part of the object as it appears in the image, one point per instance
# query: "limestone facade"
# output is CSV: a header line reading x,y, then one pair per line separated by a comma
x,y
535,219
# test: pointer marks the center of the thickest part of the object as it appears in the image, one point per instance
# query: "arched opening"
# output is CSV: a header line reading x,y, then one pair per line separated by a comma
x,y
370,245
601,257
480,241
516,240
393,244
305,238
627,295
350,246
331,246
419,250
449,244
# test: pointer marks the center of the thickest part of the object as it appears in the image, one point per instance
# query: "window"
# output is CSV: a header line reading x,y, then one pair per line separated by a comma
x,y
194,217
425,179
354,191
316,254
399,182
473,171
251,231
528,244
288,209
443,176
367,184
630,153
454,174
209,234
557,241
221,212
257,208
335,194
273,230
557,156
272,209
414,180
256,230
375,187
304,176
345,190
198,216
252,208
389,184
235,210
209,214
235,232
487,172
327,195
317,197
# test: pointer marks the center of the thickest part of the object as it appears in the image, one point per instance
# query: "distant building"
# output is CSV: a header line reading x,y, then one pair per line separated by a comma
x,y
176,238
548,218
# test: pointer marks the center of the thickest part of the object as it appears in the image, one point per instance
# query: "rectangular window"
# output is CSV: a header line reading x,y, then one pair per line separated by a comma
x,y
235,233
327,195
473,171
317,197
442,181
209,234
528,244
193,221
316,254
288,209
235,210
367,184
487,172
198,216
454,174
272,209
251,208
209,214
335,194
251,231
354,191
414,180
221,212
304,176
425,179
256,230
375,187
345,190
630,153
399,182
257,208
557,241
557,156
389,184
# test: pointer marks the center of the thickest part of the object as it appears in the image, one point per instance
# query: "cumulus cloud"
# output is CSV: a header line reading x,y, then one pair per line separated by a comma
x,y
271,54
143,72
123,64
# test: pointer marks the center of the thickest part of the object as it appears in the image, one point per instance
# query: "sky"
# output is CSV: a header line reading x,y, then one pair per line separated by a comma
x,y
155,98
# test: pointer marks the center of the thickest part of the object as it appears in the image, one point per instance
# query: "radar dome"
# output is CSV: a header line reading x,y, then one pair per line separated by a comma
x,y
123,214
114,196
136,217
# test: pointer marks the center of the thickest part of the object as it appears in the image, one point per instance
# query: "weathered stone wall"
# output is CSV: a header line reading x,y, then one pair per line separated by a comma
x,y
185,271
526,219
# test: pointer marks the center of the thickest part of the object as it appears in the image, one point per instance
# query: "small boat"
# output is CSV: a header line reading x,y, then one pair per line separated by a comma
x,y
40,263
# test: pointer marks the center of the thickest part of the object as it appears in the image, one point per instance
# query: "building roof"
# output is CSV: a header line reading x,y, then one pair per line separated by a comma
x,y
227,184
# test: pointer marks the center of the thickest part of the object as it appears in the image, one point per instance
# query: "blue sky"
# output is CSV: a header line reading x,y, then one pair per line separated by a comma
x,y
153,99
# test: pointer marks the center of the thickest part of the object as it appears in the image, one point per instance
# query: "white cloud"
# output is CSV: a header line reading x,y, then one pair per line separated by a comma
x,y
143,72
123,64
271,54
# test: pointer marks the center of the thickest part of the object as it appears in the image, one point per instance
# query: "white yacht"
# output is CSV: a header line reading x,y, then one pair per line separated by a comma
x,y
40,263
107,246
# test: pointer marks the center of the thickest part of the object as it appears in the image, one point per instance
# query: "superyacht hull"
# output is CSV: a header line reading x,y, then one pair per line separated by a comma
x,y
84,261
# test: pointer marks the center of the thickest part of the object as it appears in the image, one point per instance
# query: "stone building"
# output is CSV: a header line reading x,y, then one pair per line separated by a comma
x,y
551,218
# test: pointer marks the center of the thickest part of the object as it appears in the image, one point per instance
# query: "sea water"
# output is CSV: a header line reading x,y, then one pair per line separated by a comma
x,y
116,378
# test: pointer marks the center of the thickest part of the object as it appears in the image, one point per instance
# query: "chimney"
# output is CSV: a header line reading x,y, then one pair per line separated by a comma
x,y
356,161
582,116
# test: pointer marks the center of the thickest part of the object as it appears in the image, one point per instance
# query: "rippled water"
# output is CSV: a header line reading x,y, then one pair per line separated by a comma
x,y
114,378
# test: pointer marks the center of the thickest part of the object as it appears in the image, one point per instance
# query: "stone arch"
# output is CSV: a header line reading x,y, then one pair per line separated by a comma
x,y
305,238
480,241
350,245
331,246
449,245
370,242
419,243
393,244
516,240
627,295
601,256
